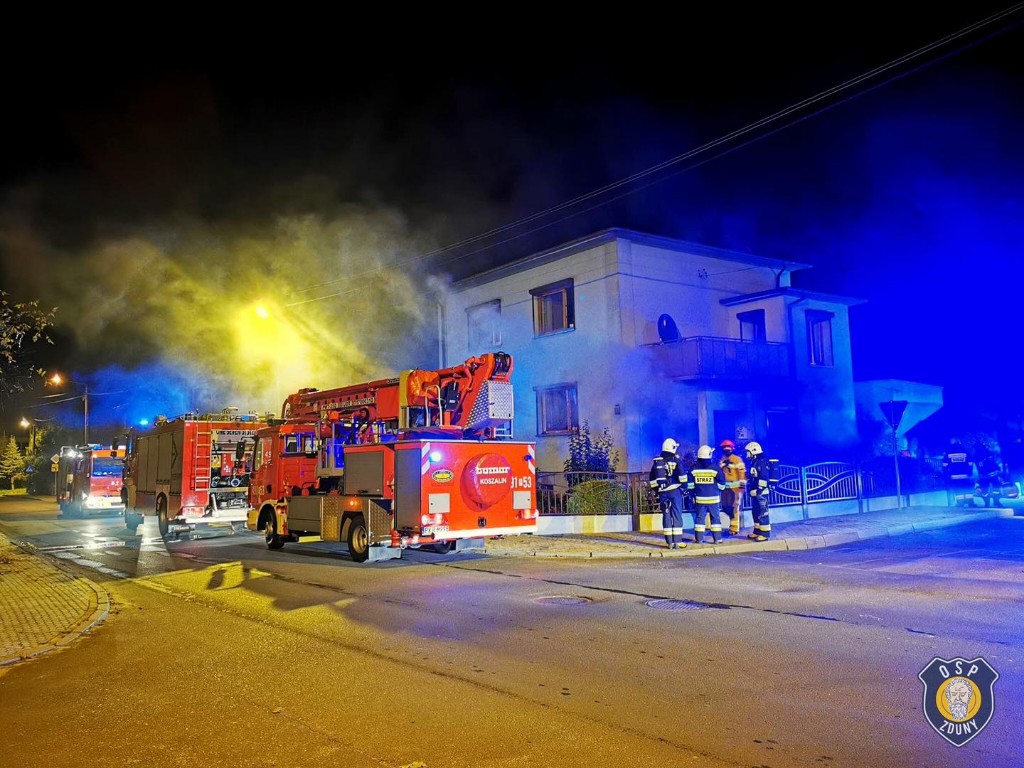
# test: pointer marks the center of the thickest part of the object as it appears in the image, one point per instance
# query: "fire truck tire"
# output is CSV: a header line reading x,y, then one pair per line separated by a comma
x,y
358,540
274,539
161,516
442,547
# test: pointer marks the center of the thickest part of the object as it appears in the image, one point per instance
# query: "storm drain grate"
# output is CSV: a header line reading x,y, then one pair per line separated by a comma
x,y
681,605
563,600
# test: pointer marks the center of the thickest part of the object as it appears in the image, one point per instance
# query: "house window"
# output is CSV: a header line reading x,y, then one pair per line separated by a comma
x,y
484,322
557,413
752,325
553,308
819,338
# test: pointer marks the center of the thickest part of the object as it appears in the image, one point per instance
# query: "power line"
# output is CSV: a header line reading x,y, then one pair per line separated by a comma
x,y
690,154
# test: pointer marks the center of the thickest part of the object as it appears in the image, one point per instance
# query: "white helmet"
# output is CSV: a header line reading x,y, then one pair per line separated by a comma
x,y
670,445
704,452
754,448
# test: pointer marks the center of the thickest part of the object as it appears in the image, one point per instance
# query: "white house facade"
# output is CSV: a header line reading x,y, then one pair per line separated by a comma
x,y
651,337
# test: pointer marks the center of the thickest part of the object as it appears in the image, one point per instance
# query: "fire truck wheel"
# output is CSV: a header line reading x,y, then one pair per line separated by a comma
x,y
442,547
274,540
358,540
161,515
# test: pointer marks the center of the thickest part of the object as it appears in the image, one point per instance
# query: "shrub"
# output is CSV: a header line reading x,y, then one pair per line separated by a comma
x,y
597,497
587,454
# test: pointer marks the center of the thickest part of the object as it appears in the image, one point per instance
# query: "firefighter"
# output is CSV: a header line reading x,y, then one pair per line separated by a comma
x,y
706,482
990,479
667,478
735,472
759,475
958,468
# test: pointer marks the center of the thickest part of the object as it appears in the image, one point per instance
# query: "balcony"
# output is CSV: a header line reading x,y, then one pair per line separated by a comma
x,y
703,358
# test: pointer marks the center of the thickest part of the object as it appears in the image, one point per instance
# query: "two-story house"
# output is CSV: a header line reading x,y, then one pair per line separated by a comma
x,y
652,337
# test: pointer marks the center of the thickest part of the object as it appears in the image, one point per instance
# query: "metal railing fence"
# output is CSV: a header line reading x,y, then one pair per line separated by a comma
x,y
628,493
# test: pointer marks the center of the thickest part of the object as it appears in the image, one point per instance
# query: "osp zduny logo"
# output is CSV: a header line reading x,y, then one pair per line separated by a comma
x,y
958,697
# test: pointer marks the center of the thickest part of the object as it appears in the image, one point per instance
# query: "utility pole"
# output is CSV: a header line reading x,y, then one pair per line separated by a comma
x,y
85,399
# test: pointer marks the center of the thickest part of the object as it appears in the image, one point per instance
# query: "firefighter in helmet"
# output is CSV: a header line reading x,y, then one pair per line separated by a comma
x,y
735,472
667,479
959,471
706,484
759,475
990,478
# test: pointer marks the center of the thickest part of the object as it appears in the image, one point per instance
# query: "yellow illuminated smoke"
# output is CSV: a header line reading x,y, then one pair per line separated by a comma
x,y
243,313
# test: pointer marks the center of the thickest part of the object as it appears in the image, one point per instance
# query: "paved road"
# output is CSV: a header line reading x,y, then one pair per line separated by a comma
x,y
220,652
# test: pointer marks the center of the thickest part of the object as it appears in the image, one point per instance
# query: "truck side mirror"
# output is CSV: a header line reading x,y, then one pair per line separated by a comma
x,y
240,451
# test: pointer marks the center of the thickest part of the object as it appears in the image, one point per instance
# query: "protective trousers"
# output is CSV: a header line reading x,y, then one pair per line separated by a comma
x,y
732,505
759,509
672,515
963,492
700,516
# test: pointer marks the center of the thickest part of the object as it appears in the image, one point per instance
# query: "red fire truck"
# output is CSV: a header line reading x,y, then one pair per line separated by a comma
x,y
189,471
93,481
424,459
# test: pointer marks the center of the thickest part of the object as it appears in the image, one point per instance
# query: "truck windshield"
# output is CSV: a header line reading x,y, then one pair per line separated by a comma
x,y
107,467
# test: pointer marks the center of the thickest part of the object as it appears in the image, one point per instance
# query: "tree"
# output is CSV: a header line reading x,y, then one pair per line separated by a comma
x,y
12,463
587,454
21,324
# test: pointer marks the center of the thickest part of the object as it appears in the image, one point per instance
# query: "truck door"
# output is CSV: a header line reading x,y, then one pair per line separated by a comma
x,y
262,484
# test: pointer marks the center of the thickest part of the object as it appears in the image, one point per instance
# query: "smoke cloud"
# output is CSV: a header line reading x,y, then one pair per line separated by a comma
x,y
191,315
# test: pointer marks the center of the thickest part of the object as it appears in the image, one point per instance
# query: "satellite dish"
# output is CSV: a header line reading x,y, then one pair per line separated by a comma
x,y
667,329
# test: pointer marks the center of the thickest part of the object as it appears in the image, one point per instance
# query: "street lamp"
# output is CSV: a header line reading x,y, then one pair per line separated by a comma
x,y
31,427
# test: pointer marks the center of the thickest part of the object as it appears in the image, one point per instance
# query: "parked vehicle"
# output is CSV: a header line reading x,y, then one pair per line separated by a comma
x,y
190,471
93,486
424,459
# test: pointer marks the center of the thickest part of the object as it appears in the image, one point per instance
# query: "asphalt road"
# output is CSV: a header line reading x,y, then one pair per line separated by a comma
x,y
220,652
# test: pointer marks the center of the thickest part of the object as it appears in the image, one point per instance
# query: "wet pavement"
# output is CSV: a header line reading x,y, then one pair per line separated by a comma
x,y
44,605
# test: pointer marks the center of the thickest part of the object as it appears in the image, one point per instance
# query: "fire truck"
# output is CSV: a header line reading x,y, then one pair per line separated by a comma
x,y
425,459
92,481
189,471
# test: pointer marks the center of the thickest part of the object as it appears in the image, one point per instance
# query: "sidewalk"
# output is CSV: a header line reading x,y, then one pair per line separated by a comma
x,y
42,608
801,534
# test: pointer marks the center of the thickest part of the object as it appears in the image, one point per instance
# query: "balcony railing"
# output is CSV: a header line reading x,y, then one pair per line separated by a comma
x,y
708,357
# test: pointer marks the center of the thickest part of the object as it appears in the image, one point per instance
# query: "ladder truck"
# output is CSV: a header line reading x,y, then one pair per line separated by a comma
x,y
190,471
424,459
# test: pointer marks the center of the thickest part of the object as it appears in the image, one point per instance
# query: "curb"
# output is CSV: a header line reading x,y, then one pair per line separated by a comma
x,y
797,543
99,602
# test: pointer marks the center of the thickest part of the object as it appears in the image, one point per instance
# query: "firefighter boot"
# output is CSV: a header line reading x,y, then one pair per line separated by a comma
x,y
698,537
734,524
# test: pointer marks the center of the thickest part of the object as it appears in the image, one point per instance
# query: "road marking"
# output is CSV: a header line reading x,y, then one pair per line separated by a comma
x,y
92,564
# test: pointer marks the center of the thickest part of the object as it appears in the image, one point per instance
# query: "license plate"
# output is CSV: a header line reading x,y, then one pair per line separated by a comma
x,y
435,530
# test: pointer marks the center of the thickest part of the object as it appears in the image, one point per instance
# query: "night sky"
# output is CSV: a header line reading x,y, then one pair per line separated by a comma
x,y
157,179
